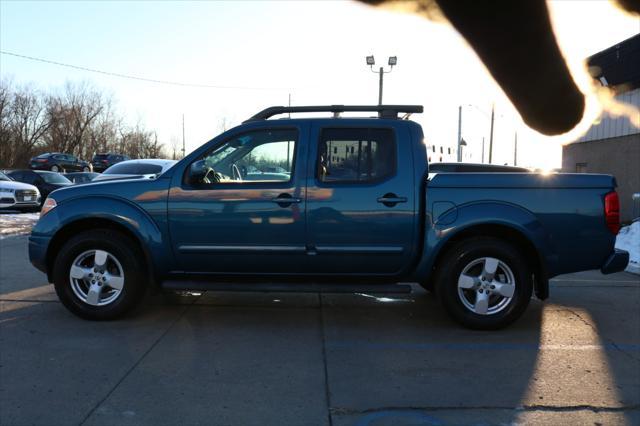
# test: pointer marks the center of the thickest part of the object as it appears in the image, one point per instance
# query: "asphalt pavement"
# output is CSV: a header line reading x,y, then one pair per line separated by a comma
x,y
309,359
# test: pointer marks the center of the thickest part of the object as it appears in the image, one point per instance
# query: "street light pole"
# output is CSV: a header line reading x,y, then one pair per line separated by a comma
x,y
380,86
393,60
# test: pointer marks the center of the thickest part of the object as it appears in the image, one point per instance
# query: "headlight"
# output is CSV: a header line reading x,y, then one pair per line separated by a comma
x,y
9,190
49,204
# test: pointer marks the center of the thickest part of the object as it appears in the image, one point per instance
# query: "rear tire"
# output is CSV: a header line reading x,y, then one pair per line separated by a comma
x,y
100,275
484,283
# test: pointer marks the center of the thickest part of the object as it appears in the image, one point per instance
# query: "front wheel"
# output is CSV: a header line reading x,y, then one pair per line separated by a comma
x,y
86,169
99,275
55,168
484,283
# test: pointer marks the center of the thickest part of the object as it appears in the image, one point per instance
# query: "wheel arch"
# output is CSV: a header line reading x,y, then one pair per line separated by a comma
x,y
73,228
509,234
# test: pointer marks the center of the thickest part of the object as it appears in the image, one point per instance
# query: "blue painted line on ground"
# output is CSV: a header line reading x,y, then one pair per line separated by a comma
x,y
423,418
480,346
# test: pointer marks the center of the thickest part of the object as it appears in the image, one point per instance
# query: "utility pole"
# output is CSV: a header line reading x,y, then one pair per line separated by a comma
x,y
183,145
459,134
515,150
482,161
491,134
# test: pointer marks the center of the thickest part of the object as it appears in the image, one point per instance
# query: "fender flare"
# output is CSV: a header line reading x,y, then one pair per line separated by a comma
x,y
460,220
122,213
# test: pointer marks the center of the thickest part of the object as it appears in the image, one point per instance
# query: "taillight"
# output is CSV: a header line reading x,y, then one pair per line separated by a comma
x,y
612,211
42,160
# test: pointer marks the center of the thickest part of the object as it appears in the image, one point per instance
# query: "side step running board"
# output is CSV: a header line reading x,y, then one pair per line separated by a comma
x,y
285,288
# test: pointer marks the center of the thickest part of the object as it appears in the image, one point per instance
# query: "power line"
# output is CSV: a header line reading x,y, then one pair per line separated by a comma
x,y
133,77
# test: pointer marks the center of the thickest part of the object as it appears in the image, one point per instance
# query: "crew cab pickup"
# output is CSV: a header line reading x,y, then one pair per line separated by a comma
x,y
339,204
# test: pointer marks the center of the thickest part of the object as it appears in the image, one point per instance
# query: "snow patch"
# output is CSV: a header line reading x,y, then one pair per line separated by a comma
x,y
628,239
17,223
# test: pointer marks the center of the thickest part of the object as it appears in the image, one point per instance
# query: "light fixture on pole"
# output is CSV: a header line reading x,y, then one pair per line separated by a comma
x,y
393,61
461,143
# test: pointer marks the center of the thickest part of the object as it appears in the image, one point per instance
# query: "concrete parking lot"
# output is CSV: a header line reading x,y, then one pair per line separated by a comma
x,y
308,359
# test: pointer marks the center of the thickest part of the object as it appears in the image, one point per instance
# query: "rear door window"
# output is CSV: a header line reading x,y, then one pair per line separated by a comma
x,y
356,155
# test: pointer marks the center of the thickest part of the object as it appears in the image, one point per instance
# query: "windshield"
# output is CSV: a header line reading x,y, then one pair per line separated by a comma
x,y
54,178
133,169
4,177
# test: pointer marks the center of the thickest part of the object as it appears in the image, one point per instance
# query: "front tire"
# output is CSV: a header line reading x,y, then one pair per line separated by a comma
x,y
100,275
484,283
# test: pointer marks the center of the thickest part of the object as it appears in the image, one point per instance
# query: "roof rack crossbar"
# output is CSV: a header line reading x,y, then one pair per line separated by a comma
x,y
384,111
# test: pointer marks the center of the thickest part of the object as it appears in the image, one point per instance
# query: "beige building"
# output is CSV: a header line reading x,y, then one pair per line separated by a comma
x,y
612,145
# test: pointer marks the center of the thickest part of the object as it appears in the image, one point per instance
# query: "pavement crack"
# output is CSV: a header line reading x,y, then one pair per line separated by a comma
x,y
133,367
597,333
533,407
324,360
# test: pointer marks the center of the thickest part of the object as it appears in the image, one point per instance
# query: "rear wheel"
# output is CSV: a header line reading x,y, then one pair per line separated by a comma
x,y
55,168
99,275
484,283
86,169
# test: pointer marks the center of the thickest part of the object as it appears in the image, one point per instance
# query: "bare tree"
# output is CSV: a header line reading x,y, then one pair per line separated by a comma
x,y
27,122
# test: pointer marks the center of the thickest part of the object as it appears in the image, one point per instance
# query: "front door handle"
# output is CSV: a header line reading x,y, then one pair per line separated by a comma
x,y
390,199
285,200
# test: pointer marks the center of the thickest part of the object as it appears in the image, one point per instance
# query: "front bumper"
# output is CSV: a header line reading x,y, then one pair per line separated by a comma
x,y
38,252
616,262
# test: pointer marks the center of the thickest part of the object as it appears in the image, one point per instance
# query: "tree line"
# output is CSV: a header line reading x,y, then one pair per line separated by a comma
x,y
76,119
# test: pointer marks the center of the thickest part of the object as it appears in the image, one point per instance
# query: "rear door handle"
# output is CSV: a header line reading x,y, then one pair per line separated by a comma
x,y
391,199
285,200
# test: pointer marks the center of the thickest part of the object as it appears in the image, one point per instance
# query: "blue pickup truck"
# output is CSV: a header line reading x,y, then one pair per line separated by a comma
x,y
338,204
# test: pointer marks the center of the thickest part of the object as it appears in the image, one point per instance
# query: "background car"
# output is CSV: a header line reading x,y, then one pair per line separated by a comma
x,y
58,162
474,168
18,195
46,182
81,177
136,169
102,162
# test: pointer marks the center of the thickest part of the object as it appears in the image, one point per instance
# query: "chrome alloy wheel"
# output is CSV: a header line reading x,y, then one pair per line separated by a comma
x,y
486,286
96,277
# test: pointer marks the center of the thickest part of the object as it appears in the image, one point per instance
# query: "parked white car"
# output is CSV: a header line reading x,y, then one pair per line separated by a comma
x,y
132,169
18,195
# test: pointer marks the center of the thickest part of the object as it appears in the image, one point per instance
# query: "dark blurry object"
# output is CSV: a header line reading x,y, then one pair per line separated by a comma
x,y
618,67
515,41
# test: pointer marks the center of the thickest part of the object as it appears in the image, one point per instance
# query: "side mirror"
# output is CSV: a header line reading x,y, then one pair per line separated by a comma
x,y
197,172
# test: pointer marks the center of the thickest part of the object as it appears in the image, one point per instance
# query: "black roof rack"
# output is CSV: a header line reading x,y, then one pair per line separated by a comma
x,y
384,111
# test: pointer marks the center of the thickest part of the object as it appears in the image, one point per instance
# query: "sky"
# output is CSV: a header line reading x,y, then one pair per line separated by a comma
x,y
266,51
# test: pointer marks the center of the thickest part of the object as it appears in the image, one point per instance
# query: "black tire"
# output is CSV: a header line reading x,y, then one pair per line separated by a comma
x,y
465,253
129,257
